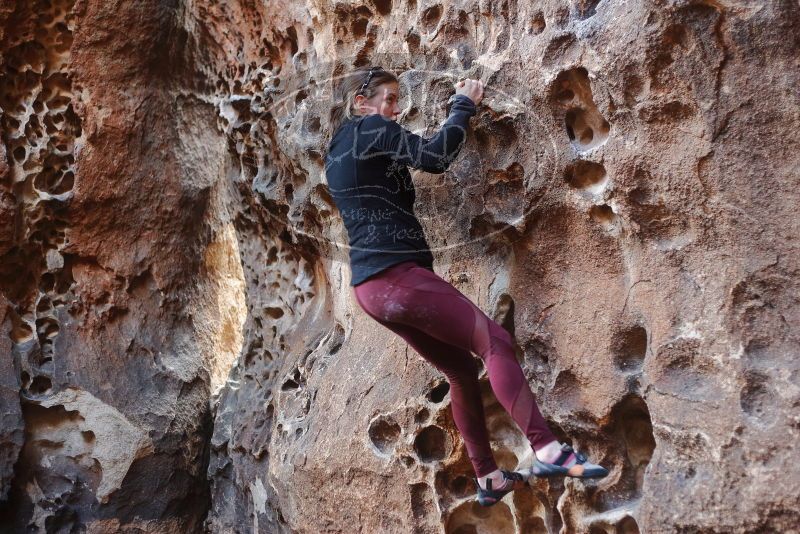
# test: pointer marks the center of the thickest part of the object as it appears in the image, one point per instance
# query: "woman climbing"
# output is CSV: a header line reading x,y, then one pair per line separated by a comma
x,y
393,278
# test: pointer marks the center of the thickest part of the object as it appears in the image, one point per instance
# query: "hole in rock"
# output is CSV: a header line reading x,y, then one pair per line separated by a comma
x,y
292,33
505,313
454,485
755,396
583,130
499,132
587,8
586,175
43,305
21,332
50,181
47,327
359,27
630,348
431,444
627,526
273,313
534,525
59,102
384,433
631,424
292,382
566,96
502,41
408,461
567,389
461,486
602,214
689,473
431,16
40,385
675,34
438,393
50,127
586,127
465,53
384,7
337,339
538,24
422,415
62,519
639,195
472,518
413,40
45,356
505,458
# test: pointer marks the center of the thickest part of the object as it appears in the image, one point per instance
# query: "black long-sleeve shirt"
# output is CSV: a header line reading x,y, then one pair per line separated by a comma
x,y
366,167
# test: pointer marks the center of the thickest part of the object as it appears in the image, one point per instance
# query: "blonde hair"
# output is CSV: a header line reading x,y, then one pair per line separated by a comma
x,y
349,87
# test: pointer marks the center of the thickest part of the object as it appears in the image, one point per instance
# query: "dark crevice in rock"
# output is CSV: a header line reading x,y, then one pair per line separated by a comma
x,y
438,392
431,444
384,433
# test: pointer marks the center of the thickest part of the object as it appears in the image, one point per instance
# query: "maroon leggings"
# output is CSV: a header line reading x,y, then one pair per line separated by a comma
x,y
444,327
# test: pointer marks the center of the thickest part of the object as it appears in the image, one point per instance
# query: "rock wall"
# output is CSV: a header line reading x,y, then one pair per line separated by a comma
x,y
181,349
121,300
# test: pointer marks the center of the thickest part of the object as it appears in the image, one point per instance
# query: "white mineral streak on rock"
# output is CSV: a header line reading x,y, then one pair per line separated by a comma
x,y
259,494
226,316
689,330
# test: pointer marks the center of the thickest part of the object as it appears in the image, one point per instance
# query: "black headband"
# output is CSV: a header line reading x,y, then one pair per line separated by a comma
x,y
369,77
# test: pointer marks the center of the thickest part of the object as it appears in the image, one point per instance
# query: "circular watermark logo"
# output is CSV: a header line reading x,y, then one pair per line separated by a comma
x,y
430,179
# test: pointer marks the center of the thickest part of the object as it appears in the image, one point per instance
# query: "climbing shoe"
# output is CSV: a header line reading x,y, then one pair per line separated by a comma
x,y
557,468
511,481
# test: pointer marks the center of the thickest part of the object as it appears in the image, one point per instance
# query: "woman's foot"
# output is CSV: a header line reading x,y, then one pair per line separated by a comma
x,y
496,485
557,459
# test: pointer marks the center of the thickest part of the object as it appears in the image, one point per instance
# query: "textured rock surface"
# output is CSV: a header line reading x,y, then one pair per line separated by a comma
x,y
625,205
114,271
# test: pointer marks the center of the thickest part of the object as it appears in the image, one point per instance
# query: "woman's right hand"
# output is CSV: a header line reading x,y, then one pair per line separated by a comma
x,y
471,88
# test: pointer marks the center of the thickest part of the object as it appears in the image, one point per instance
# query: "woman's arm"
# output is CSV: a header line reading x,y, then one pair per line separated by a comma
x,y
385,137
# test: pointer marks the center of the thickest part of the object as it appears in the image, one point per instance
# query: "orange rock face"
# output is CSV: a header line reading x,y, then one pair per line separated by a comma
x,y
181,350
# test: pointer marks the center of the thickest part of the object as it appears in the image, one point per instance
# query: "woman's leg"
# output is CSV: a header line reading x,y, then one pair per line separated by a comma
x,y
461,371
414,296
